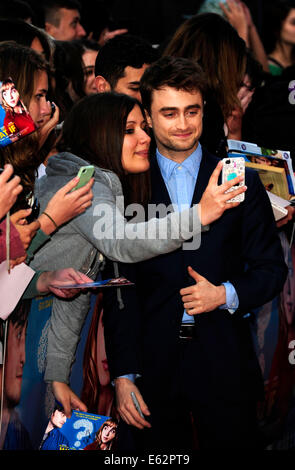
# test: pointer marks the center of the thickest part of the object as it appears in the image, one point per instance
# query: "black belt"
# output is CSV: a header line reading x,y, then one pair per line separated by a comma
x,y
187,331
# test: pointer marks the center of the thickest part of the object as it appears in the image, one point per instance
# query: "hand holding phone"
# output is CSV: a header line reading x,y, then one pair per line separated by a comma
x,y
84,174
233,167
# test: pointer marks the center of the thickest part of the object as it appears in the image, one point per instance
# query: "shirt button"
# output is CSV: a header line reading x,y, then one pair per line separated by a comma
x,y
179,167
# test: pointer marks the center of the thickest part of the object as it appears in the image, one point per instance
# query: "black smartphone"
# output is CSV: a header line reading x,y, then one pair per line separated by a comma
x,y
35,211
52,109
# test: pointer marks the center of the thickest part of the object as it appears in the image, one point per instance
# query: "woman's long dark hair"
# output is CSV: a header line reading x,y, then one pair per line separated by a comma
x,y
275,13
210,40
68,75
94,130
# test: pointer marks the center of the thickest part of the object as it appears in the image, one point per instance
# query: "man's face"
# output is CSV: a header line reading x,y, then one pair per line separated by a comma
x,y
176,119
129,84
58,419
69,27
15,360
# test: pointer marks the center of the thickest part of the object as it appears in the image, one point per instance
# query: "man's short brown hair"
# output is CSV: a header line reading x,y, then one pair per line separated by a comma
x,y
174,72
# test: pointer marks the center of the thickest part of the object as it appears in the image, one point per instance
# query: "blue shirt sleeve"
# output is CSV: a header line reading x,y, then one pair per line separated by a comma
x,y
232,301
131,377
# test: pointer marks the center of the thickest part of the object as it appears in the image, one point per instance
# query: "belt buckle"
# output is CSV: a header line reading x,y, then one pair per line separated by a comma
x,y
187,335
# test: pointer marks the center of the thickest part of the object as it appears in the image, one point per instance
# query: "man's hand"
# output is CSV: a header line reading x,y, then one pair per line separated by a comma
x,y
289,216
67,398
214,199
203,296
125,405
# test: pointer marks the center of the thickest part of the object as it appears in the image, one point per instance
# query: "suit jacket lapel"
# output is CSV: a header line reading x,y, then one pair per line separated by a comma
x,y
208,164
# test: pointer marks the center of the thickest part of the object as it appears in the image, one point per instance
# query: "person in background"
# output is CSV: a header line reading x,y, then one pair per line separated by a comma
x,y
98,22
30,73
239,16
12,29
120,64
68,75
279,35
62,19
17,9
215,45
89,53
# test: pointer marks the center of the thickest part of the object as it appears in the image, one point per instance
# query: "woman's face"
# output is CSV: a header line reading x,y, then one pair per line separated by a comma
x,y
89,58
135,151
39,107
11,96
288,28
108,433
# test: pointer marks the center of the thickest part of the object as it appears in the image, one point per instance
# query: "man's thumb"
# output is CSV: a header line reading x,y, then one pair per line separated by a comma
x,y
196,276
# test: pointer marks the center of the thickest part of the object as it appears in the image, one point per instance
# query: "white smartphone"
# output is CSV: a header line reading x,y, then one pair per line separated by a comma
x,y
233,167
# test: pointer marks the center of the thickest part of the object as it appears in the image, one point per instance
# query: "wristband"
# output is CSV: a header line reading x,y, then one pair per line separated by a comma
x,y
49,217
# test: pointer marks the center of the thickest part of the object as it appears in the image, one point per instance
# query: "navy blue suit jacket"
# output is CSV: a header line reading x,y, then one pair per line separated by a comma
x,y
241,247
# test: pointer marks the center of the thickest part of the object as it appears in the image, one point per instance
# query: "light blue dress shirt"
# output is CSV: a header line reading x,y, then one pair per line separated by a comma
x,y
180,180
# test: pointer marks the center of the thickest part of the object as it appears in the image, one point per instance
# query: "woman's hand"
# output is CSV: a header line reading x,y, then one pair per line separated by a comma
x,y
16,261
26,231
51,122
65,205
59,279
237,17
214,200
9,190
67,398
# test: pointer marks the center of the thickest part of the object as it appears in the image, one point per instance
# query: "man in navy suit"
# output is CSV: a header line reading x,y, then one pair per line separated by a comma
x,y
180,340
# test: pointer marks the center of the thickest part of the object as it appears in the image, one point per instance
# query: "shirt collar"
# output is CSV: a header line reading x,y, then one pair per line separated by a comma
x,y
191,163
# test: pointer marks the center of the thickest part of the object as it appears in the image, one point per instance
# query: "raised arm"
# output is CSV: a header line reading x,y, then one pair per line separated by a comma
x,y
107,229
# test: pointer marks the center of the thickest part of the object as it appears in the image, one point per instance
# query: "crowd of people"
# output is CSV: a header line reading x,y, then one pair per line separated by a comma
x,y
153,121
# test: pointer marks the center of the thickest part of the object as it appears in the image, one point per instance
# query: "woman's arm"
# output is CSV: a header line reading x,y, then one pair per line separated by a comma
x,y
65,205
106,228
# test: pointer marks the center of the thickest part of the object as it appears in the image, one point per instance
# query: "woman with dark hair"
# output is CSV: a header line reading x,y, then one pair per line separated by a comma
x,y
108,131
279,34
216,46
68,75
89,53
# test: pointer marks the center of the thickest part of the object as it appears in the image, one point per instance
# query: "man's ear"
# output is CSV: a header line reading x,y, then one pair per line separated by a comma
x,y
50,29
101,84
148,119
